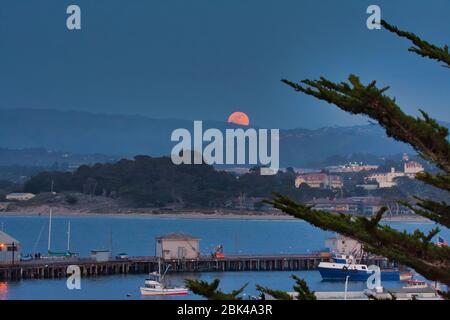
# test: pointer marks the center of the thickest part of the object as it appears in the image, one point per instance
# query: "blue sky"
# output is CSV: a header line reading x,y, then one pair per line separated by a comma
x,y
203,59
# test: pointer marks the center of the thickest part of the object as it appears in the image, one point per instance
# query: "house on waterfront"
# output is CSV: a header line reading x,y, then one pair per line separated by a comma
x,y
9,249
352,167
412,168
243,202
386,180
319,180
367,206
19,196
177,246
352,205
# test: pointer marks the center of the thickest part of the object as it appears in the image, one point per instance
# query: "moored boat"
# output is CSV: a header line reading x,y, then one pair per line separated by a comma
x,y
343,267
155,288
415,284
155,285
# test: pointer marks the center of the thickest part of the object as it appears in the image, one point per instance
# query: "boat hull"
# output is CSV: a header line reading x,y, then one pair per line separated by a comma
x,y
334,274
163,292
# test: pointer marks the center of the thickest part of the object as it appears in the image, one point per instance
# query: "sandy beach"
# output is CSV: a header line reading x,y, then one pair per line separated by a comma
x,y
44,210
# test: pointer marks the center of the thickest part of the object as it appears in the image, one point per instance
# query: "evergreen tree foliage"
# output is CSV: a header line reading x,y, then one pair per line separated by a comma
x,y
276,294
424,134
302,289
211,290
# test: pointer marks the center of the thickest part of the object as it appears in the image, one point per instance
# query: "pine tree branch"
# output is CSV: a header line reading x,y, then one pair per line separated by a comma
x,y
424,134
441,181
210,291
435,211
414,250
302,289
421,47
276,294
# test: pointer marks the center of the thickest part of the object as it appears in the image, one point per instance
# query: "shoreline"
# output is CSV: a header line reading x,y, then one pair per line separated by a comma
x,y
181,216
189,215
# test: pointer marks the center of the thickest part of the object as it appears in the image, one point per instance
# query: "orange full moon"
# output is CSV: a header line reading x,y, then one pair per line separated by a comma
x,y
239,118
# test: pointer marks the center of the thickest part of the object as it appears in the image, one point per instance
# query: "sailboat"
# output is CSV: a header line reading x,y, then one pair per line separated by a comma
x,y
154,285
67,253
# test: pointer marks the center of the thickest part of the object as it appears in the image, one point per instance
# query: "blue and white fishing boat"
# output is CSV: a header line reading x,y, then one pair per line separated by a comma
x,y
344,266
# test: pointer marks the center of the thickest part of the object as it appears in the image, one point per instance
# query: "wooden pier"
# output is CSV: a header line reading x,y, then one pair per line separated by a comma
x,y
56,268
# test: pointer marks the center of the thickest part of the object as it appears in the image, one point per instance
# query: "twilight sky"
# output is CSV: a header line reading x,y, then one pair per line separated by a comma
x,y
204,59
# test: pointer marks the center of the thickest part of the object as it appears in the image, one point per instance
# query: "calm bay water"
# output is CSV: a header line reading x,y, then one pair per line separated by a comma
x,y
136,236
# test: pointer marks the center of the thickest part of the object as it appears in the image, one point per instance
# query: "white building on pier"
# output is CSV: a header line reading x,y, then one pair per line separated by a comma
x,y
9,249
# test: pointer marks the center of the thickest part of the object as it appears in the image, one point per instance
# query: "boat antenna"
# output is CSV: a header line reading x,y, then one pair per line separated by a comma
x,y
49,230
110,239
167,269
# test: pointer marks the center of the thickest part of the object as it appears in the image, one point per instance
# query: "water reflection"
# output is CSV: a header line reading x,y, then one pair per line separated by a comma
x,y
3,290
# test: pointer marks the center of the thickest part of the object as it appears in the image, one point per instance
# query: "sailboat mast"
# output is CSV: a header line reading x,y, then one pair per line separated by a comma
x,y
110,240
68,237
49,230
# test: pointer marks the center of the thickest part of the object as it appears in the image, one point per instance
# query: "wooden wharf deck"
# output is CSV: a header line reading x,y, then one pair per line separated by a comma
x,y
57,268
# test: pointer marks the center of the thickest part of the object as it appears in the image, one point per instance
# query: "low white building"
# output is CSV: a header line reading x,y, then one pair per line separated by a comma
x,y
386,180
19,196
9,249
319,180
412,168
101,255
177,246
352,167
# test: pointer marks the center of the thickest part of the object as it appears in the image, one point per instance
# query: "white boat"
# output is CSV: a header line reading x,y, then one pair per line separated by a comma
x,y
415,284
344,266
155,286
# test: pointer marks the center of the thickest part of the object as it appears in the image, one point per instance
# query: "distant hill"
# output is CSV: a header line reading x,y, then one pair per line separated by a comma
x,y
309,146
128,135
40,157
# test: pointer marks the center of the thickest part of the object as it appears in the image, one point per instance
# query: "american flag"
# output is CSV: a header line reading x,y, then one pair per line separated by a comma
x,y
441,242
